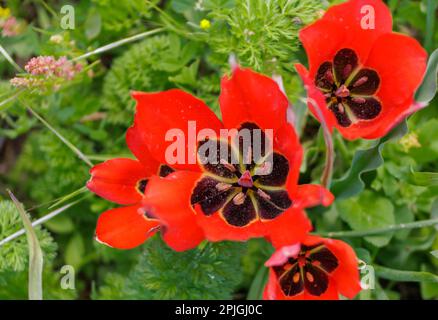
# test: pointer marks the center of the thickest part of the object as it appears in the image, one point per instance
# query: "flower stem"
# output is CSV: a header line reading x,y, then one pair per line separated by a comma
x,y
390,228
430,24
326,178
104,157
119,43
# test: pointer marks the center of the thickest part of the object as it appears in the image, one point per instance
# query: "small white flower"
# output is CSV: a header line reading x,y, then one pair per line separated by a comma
x,y
57,38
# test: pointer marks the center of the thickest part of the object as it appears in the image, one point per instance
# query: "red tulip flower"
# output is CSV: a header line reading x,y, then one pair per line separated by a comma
x,y
315,269
362,76
123,181
226,200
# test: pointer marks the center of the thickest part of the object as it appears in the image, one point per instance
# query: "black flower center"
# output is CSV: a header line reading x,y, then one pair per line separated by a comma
x,y
310,270
348,88
243,179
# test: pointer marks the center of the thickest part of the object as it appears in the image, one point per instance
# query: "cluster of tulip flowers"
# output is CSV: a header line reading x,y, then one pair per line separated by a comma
x,y
360,81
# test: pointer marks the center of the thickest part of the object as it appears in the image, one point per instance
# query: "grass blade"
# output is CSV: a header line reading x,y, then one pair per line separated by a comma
x,y
35,254
118,43
405,276
10,60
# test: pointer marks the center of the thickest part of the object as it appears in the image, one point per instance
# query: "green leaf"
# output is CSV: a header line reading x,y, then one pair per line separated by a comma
x,y
363,254
423,179
258,285
75,250
432,5
367,212
187,75
435,253
427,90
60,224
35,255
182,6
364,161
405,276
403,216
93,24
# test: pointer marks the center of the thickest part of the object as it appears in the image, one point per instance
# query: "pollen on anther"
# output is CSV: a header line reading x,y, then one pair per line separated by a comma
x,y
329,75
227,165
296,277
222,186
347,70
360,82
239,199
309,277
359,100
263,194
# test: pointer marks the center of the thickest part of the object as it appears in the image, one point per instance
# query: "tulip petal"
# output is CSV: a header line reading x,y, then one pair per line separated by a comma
x,y
125,227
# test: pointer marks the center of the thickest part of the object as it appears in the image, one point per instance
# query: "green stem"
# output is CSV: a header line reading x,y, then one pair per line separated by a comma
x,y
342,147
119,43
390,228
326,178
104,157
10,60
430,24
404,276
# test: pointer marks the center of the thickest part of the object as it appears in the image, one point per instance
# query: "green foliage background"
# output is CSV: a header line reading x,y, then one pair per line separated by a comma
x,y
94,111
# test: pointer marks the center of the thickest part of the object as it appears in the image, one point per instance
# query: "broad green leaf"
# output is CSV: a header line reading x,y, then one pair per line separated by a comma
x,y
424,179
364,161
427,134
182,6
93,24
429,290
427,90
75,250
60,224
363,254
435,253
35,255
367,212
403,216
